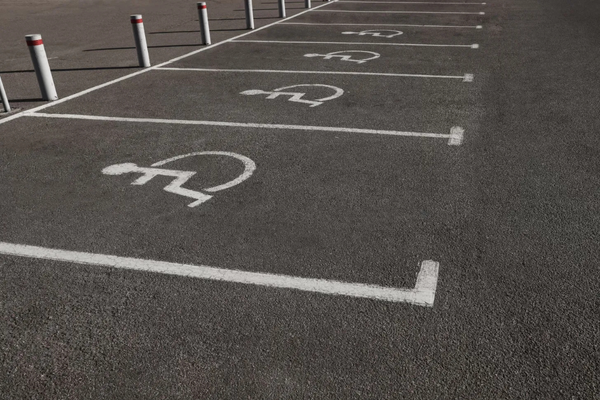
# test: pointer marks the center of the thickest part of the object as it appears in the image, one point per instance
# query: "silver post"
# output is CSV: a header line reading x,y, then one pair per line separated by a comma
x,y
140,40
249,15
4,98
281,8
41,67
203,18
307,3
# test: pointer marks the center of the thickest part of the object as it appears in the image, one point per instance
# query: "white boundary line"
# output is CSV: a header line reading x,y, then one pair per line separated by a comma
x,y
440,3
406,25
465,77
470,46
143,71
423,294
455,137
406,12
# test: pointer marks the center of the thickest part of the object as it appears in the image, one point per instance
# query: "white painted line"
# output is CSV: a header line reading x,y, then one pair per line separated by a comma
x,y
412,2
143,71
404,25
423,294
470,46
464,77
407,12
453,136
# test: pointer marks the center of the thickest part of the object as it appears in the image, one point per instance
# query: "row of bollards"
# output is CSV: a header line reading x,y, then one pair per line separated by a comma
x,y
44,74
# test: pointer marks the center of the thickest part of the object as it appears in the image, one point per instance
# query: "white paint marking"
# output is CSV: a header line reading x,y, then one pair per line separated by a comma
x,y
456,136
405,12
403,25
297,97
344,56
468,78
143,71
182,177
384,33
317,72
423,294
470,46
452,138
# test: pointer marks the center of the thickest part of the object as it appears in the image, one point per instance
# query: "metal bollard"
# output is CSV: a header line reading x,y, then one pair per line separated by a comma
x,y
140,40
281,8
41,67
203,18
307,3
249,15
4,98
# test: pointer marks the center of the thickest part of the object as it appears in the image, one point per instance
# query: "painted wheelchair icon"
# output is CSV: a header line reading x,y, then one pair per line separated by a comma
x,y
383,33
297,96
348,55
181,177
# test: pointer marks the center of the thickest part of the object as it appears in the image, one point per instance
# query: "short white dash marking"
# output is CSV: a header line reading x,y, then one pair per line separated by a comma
x,y
456,136
468,78
423,294
475,46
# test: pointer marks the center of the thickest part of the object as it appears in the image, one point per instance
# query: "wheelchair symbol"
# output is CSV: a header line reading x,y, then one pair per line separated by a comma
x,y
181,177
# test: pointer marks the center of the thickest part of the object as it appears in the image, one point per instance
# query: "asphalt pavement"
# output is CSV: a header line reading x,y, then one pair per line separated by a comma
x,y
369,199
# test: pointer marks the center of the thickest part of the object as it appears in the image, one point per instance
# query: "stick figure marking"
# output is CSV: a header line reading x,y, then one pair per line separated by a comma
x,y
296,97
344,56
181,177
376,33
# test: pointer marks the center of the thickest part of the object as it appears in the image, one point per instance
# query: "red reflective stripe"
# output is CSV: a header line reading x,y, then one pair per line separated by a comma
x,y
34,42
136,21
201,7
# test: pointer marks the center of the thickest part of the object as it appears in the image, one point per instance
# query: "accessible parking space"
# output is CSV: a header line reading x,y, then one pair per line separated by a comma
x,y
384,15
353,102
347,208
432,63
377,35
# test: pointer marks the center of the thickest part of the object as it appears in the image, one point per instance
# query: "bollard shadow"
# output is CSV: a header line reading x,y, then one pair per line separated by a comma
x,y
68,69
150,47
239,19
271,9
37,100
198,31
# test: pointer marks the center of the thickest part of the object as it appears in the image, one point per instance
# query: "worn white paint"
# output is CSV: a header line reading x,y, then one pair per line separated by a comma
x,y
181,177
143,71
405,12
423,293
456,136
470,46
345,56
468,78
402,25
295,96
311,128
413,2
277,71
383,33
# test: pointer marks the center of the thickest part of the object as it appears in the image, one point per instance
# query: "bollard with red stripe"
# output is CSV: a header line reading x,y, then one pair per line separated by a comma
x,y
307,3
203,18
41,67
249,14
140,40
